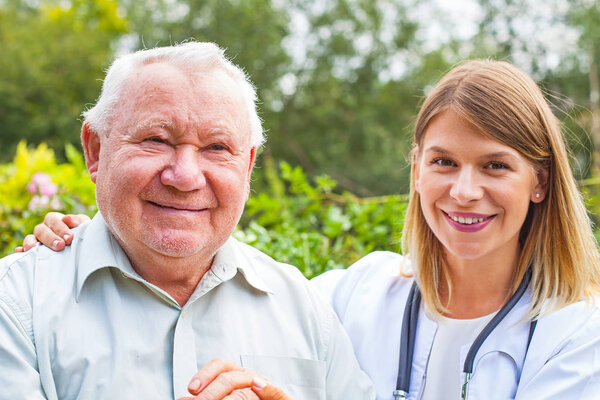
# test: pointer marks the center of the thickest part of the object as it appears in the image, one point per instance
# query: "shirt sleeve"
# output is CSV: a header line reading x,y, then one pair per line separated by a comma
x,y
19,376
327,282
573,372
338,286
345,379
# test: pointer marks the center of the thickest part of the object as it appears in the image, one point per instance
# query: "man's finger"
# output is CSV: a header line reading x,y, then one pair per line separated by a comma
x,y
208,373
226,384
266,391
242,394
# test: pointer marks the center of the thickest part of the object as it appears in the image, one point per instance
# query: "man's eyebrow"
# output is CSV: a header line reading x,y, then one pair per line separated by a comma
x,y
219,132
152,124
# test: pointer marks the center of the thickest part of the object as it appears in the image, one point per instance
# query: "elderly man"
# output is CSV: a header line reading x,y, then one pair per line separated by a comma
x,y
154,287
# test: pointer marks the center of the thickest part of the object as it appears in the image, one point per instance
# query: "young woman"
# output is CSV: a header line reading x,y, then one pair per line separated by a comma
x,y
494,298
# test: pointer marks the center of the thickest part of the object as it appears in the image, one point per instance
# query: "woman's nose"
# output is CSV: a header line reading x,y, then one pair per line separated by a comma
x,y
465,187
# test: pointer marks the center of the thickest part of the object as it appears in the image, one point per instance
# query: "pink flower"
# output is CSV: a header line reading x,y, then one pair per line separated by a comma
x,y
44,202
41,183
38,202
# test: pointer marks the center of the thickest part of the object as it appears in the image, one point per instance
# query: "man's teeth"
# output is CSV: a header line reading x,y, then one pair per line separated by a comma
x,y
466,221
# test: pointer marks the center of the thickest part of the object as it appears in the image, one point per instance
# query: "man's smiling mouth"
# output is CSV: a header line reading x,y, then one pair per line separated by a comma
x,y
177,207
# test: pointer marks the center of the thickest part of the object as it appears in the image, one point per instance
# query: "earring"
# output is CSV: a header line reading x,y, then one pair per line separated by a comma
x,y
537,195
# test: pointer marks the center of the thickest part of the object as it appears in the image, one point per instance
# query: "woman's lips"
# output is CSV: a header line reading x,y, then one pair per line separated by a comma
x,y
468,222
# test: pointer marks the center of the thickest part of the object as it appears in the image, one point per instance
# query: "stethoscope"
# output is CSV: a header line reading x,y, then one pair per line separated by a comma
x,y
409,330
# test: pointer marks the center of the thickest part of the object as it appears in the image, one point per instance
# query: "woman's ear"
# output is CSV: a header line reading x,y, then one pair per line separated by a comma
x,y
541,188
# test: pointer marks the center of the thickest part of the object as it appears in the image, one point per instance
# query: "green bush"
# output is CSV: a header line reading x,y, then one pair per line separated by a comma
x,y
292,219
310,226
21,210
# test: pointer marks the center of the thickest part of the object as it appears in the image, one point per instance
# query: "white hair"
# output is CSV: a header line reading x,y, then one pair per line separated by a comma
x,y
189,56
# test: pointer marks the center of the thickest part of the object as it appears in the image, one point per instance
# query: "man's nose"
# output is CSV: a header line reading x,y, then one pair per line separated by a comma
x,y
185,170
465,186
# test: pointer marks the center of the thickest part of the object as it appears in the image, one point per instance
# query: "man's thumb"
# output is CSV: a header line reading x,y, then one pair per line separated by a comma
x,y
266,391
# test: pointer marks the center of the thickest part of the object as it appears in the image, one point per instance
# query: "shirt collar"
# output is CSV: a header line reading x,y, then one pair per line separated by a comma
x,y
231,258
99,249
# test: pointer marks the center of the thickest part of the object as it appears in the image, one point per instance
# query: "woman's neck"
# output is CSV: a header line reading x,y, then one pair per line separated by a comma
x,y
479,287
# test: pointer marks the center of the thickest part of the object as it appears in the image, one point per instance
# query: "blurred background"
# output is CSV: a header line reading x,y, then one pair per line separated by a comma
x,y
339,81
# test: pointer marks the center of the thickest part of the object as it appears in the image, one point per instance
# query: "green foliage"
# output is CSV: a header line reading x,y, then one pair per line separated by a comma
x,y
19,212
307,225
344,104
52,63
339,81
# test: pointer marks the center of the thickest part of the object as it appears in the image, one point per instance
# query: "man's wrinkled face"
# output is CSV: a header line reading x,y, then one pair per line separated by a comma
x,y
173,173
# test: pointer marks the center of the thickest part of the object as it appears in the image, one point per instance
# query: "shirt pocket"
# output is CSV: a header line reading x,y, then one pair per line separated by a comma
x,y
300,378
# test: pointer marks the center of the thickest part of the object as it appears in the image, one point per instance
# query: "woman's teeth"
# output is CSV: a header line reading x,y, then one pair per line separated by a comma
x,y
466,221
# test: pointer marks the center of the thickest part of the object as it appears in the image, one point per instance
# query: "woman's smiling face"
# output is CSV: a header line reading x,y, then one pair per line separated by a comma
x,y
474,191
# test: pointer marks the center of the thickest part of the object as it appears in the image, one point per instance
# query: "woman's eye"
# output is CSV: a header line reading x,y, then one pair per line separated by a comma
x,y
497,165
156,139
443,162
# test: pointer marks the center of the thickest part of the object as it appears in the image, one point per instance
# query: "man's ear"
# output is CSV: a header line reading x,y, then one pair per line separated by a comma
x,y
252,160
250,167
541,188
90,140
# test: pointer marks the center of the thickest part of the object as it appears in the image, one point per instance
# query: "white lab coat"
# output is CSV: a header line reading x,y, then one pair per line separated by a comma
x,y
563,360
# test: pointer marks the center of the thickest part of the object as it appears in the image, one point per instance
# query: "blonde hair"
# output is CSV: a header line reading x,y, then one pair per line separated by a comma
x,y
506,105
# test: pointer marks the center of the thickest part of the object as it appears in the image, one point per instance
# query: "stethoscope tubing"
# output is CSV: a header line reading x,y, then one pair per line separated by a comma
x,y
409,331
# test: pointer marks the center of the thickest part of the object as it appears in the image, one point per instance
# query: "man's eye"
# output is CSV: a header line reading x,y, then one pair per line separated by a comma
x,y
156,139
217,147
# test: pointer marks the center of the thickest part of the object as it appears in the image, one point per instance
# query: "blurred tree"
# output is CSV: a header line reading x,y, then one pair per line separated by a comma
x,y
542,41
53,57
348,98
340,81
585,16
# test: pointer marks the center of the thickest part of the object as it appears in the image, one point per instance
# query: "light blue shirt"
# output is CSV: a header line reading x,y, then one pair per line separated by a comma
x,y
82,324
563,360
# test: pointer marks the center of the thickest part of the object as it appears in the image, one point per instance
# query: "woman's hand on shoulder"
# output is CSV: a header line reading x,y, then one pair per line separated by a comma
x,y
55,232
